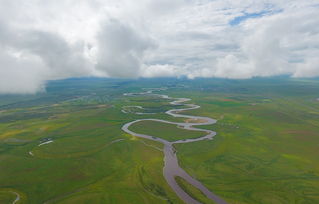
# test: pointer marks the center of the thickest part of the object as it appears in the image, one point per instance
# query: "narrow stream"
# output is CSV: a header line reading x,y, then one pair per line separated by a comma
x,y
17,198
171,168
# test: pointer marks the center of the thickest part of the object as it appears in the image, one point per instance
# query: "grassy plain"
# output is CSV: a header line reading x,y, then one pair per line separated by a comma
x,y
193,191
165,131
265,150
91,160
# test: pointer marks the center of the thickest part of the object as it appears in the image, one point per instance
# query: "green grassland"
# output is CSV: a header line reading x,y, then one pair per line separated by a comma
x,y
265,150
166,131
6,196
82,164
91,160
193,191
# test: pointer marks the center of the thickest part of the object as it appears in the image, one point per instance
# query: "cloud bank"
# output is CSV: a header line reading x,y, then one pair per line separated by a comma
x,y
47,40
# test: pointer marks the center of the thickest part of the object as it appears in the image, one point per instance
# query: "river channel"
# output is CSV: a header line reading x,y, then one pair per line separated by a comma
x,y
171,168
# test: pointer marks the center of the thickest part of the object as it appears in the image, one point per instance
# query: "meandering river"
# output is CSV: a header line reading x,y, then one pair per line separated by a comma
x,y
171,167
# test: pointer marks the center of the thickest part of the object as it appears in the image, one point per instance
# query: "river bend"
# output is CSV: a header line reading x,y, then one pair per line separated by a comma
x,y
171,167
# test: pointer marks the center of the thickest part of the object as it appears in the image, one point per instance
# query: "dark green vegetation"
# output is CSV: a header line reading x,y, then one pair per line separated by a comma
x,y
166,131
266,149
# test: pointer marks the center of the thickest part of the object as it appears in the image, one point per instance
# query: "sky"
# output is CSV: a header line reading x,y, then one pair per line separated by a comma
x,y
58,39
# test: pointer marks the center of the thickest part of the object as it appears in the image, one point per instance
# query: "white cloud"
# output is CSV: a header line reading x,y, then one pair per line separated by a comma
x,y
121,49
45,40
20,73
160,70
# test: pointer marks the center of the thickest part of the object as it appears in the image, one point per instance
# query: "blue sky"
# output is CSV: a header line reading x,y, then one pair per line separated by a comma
x,y
239,19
